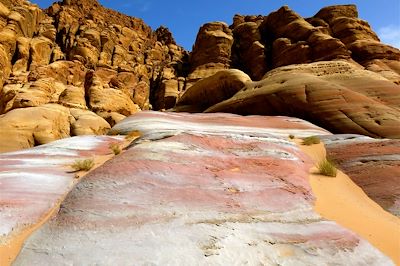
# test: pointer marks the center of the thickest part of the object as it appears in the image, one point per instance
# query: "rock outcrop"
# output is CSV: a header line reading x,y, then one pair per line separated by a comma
x,y
212,90
81,55
372,164
330,69
43,176
337,95
253,204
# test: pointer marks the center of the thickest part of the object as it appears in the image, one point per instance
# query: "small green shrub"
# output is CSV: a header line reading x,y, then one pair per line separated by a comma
x,y
311,140
115,148
291,136
327,168
83,165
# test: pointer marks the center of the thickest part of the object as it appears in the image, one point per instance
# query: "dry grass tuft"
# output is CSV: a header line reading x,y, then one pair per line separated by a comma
x,y
83,165
327,168
311,140
115,148
133,135
291,136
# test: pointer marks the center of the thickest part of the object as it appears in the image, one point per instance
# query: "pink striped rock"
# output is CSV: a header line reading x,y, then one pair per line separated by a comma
x,y
373,164
32,181
199,190
157,123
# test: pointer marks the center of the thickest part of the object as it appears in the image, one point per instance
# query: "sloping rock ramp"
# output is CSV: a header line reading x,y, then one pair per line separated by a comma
x,y
33,182
199,190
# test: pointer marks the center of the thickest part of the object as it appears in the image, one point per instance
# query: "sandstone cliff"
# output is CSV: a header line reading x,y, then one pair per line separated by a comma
x,y
330,69
79,68
75,68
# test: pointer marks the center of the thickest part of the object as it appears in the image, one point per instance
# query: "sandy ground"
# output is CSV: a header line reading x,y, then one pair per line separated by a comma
x,y
341,200
10,250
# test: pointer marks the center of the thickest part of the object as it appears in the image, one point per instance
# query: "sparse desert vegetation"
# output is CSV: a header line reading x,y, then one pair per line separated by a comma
x,y
115,148
83,165
311,140
327,168
291,136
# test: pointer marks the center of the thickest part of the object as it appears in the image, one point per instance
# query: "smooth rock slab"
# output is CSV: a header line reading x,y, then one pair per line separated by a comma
x,y
198,198
373,164
33,181
152,124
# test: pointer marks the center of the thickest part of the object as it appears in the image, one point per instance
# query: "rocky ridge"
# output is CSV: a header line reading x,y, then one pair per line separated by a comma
x,y
87,65
330,69
96,66
194,188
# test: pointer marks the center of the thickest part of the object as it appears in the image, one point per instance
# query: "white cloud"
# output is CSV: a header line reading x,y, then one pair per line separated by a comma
x,y
390,35
145,7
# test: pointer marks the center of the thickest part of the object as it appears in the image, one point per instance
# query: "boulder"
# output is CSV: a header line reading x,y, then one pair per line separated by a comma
x,y
110,100
209,91
88,123
26,127
112,118
73,97
338,96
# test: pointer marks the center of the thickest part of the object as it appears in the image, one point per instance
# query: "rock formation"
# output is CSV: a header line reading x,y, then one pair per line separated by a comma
x,y
372,164
93,63
337,95
196,188
330,69
193,186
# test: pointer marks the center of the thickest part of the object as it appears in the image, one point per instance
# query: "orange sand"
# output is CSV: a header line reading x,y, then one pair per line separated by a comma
x,y
341,200
10,250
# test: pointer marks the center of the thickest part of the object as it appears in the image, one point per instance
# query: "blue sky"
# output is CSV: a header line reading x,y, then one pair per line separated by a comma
x,y
184,17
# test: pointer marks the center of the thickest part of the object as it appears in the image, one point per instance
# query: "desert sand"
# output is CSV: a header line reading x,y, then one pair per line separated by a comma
x,y
341,200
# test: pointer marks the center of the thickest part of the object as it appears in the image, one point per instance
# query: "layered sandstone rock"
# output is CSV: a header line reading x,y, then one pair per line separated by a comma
x,y
294,40
359,38
211,51
80,55
204,189
214,89
372,164
340,96
249,49
43,176
26,127
213,45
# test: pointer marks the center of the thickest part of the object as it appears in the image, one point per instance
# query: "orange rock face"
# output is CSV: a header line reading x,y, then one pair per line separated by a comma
x,y
81,55
330,69
337,95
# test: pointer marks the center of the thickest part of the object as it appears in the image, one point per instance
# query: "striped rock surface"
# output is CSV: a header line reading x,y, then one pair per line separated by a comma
x,y
33,181
199,190
373,164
